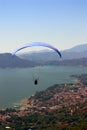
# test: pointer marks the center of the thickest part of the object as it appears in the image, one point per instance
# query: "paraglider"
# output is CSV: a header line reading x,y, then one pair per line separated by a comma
x,y
37,44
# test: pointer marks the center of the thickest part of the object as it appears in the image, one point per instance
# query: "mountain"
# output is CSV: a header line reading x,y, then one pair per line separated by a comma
x,y
8,61
78,48
71,57
76,52
79,51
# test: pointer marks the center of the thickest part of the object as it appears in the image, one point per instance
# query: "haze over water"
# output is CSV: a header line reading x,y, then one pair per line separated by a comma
x,y
17,84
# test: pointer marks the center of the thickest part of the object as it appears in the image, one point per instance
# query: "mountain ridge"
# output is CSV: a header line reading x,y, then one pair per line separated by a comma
x,y
78,48
66,54
46,58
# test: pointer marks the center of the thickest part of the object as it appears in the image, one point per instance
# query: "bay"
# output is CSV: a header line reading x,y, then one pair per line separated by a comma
x,y
17,84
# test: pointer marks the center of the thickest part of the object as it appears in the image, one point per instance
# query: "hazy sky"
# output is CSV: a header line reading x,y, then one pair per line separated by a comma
x,y
62,23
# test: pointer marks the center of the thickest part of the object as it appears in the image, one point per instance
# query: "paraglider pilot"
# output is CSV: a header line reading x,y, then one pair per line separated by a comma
x,y
35,81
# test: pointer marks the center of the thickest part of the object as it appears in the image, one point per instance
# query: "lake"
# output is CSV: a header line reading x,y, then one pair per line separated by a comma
x,y
17,84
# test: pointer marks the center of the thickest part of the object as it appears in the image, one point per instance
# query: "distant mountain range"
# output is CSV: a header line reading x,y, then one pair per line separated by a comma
x,y
79,51
76,56
78,48
8,61
76,52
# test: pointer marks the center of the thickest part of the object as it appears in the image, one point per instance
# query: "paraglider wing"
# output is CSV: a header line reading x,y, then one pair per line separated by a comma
x,y
37,44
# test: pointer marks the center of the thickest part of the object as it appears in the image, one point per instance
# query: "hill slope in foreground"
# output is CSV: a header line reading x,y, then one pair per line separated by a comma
x,y
60,107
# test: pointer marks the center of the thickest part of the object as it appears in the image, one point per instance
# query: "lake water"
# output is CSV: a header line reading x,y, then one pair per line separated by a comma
x,y
17,84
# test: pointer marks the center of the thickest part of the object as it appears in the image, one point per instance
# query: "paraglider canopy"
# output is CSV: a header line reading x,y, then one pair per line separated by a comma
x,y
37,44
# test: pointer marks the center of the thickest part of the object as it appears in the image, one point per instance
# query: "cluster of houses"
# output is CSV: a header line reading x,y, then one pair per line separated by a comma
x,y
68,96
